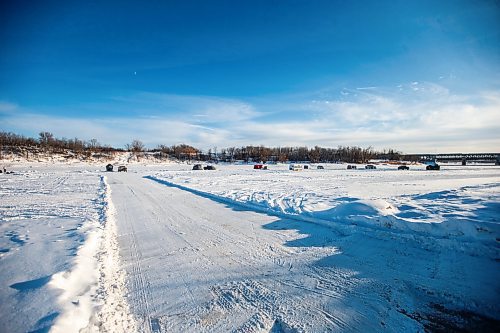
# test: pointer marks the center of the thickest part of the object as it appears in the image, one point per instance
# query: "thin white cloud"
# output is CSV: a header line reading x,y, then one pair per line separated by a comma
x,y
7,107
206,108
366,88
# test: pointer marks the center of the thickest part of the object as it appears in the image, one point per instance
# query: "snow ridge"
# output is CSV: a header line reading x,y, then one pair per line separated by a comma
x,y
369,213
79,284
92,298
114,313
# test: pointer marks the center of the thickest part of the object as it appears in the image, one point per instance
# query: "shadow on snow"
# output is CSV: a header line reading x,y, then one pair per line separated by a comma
x,y
400,275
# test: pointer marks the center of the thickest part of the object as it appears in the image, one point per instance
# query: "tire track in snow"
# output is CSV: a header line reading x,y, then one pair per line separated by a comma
x,y
251,295
206,267
139,278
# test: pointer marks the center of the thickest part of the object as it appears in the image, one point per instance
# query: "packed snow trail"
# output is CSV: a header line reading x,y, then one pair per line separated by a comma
x,y
197,265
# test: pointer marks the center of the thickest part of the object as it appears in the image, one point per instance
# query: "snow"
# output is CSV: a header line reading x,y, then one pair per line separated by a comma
x,y
77,286
45,218
52,252
165,248
438,203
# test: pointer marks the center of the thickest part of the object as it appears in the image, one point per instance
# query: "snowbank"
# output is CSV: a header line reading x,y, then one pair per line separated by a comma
x,y
93,290
78,285
113,312
459,202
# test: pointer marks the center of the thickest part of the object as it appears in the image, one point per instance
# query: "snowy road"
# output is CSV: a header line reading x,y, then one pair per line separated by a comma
x,y
195,264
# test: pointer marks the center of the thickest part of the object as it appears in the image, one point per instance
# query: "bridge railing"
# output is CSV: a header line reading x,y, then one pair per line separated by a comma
x,y
457,157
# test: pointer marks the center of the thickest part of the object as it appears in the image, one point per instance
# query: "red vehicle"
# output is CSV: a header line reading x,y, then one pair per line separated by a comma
x,y
258,166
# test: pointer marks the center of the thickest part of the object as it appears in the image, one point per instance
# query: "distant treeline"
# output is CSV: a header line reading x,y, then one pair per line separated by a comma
x,y
47,142
286,154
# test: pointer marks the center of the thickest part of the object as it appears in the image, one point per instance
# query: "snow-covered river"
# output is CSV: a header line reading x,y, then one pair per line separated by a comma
x,y
165,248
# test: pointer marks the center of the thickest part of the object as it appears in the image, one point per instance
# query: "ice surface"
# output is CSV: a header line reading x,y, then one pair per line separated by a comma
x,y
458,201
165,248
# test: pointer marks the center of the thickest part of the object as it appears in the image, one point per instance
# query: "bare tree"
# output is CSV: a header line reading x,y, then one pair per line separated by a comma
x,y
136,146
93,144
46,138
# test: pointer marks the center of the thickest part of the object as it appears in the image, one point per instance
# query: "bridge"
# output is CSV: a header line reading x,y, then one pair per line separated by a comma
x,y
486,158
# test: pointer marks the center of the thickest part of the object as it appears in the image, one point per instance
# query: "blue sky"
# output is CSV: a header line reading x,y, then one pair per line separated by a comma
x,y
412,75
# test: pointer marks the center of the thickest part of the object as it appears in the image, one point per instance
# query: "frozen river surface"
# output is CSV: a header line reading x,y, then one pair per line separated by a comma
x,y
166,249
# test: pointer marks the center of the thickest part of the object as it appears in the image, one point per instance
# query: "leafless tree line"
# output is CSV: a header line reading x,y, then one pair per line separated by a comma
x,y
350,154
48,142
286,154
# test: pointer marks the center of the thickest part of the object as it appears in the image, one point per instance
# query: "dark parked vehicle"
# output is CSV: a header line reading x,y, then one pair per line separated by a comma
x,y
122,168
351,167
433,167
109,167
209,167
197,167
403,167
370,166
320,167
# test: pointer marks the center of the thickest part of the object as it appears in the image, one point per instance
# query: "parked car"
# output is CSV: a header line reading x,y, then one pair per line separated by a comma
x,y
370,166
109,167
403,167
433,167
295,167
351,167
209,167
197,167
320,167
122,168
258,166
306,167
